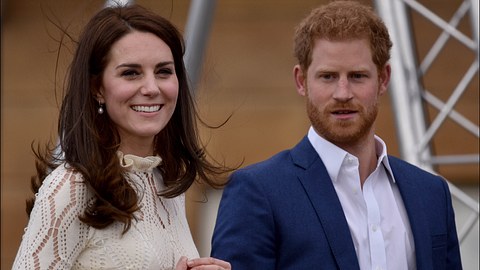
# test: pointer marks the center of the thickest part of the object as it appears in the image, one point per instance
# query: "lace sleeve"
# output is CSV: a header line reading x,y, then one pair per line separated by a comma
x,y
55,236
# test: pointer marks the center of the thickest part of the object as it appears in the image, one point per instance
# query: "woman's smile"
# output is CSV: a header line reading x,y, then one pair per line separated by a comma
x,y
147,108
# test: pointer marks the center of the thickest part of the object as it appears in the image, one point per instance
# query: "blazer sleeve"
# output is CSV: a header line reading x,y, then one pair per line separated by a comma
x,y
428,202
453,248
244,233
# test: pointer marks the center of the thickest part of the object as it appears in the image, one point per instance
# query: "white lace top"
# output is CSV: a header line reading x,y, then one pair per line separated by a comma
x,y
55,238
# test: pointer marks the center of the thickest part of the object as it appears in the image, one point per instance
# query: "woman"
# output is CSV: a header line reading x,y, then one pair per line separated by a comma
x,y
114,198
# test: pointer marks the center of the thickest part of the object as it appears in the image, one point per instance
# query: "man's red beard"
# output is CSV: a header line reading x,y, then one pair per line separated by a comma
x,y
342,132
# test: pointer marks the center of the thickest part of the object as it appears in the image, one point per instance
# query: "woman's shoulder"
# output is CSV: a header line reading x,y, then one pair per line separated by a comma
x,y
64,182
55,234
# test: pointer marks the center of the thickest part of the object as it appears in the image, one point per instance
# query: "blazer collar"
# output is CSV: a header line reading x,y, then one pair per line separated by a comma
x,y
319,188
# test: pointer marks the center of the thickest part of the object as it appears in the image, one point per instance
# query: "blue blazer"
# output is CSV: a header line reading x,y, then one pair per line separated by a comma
x,y
284,213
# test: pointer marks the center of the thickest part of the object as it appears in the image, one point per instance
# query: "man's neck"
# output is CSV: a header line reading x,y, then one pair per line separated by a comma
x,y
366,153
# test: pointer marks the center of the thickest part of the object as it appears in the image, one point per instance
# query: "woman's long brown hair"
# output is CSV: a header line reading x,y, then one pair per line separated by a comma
x,y
89,141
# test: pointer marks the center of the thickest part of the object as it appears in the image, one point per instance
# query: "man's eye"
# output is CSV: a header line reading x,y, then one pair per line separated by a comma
x,y
327,76
358,75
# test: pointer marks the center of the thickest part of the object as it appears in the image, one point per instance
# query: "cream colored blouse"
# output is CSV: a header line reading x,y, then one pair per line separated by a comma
x,y
55,238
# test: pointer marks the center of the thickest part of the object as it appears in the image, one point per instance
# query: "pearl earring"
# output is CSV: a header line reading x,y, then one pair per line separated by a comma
x,y
100,108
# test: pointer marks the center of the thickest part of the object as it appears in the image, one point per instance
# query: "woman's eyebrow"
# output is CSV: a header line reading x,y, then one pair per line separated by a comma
x,y
133,65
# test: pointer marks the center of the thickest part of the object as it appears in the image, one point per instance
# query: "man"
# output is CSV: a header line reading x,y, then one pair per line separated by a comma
x,y
337,200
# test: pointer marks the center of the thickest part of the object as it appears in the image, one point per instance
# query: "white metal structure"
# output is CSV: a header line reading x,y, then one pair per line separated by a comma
x,y
409,98
112,3
197,31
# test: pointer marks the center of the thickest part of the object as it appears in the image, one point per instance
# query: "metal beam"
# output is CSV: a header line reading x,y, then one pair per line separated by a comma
x,y
200,17
409,97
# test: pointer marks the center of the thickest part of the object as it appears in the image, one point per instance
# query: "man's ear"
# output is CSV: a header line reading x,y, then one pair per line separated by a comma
x,y
384,79
300,80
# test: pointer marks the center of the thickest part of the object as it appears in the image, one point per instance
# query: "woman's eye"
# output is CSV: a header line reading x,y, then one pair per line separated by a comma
x,y
164,72
130,73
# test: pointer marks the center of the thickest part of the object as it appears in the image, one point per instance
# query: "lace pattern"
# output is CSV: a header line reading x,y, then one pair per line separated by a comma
x,y
56,239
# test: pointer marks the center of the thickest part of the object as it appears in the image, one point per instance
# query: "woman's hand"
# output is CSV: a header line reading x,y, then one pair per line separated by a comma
x,y
202,264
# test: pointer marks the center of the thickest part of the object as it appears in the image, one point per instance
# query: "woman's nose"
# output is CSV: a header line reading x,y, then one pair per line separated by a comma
x,y
150,86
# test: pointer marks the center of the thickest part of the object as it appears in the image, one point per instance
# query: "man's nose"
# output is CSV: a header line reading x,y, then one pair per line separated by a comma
x,y
343,91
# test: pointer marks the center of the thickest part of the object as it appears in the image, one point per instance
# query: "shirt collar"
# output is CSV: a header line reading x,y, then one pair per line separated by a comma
x,y
136,163
333,156
381,149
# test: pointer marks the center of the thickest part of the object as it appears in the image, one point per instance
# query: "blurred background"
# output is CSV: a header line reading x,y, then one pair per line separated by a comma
x,y
246,71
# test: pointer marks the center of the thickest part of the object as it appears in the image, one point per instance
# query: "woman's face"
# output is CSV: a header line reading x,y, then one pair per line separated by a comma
x,y
140,89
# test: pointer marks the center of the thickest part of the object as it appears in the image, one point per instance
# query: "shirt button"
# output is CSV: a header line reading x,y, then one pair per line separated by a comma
x,y
374,229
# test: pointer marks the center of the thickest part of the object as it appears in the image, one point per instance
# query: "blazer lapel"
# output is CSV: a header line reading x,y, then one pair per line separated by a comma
x,y
412,199
320,190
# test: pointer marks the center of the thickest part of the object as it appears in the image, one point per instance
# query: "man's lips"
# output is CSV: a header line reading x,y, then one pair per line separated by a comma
x,y
339,112
343,114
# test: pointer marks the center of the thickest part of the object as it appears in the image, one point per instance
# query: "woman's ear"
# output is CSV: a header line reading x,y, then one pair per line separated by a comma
x,y
99,96
300,80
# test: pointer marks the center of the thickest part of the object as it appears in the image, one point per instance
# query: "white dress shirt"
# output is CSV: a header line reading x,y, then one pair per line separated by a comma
x,y
376,215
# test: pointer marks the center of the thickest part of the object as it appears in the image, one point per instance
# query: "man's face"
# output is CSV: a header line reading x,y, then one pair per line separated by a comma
x,y
342,86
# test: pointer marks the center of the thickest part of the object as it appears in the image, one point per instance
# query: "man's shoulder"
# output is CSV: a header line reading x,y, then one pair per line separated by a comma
x,y
401,164
270,177
301,154
403,168
274,163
